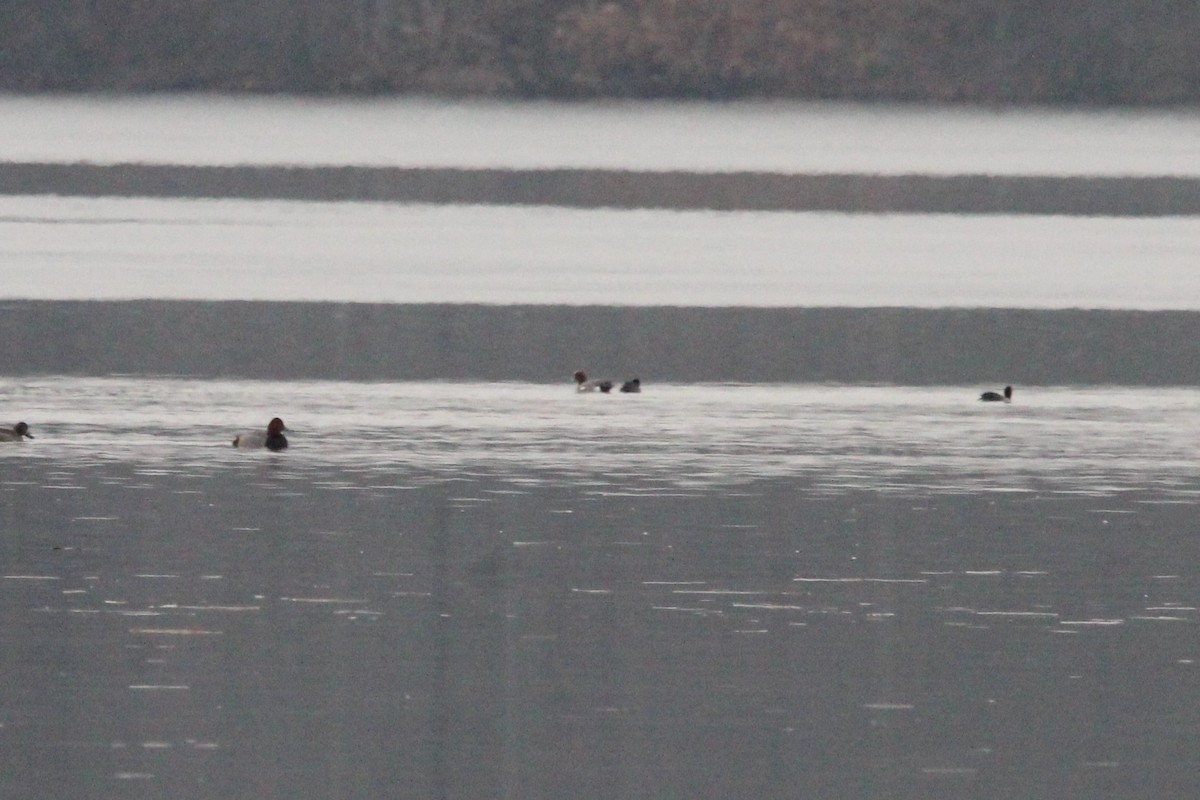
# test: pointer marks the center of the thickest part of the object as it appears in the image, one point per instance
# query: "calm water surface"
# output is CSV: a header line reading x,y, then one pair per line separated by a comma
x,y
106,248
704,137
482,590
92,249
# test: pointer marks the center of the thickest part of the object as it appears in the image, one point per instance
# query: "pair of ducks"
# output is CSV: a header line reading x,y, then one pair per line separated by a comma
x,y
272,438
582,384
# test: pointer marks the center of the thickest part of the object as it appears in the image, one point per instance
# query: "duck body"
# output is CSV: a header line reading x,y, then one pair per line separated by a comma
x,y
272,438
17,433
997,397
582,384
632,387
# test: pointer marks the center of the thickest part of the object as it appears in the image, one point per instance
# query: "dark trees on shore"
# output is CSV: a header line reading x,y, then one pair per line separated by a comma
x,y
1106,52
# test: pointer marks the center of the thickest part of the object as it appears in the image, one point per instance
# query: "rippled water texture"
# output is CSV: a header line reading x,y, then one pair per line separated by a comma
x,y
1093,440
481,590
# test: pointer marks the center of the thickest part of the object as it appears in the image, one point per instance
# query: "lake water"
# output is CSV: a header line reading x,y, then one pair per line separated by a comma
x,y
705,137
481,590
467,589
115,248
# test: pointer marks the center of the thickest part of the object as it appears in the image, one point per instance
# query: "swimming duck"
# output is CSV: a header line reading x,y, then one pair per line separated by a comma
x,y
994,397
632,387
272,438
582,384
16,433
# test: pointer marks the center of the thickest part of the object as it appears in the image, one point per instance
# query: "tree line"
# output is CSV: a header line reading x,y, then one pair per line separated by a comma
x,y
1099,52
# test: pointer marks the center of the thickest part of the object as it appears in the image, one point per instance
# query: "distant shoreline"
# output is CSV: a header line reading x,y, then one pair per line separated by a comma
x,y
596,188
383,342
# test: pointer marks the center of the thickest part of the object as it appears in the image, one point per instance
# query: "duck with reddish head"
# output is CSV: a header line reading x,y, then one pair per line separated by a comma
x,y
17,433
996,397
582,384
272,438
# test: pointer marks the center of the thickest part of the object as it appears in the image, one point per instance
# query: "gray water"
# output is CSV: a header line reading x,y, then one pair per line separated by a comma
x,y
490,589
771,137
114,248
843,578
110,248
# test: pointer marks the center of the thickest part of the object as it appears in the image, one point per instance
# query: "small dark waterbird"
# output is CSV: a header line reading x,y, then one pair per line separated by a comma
x,y
17,433
996,397
272,438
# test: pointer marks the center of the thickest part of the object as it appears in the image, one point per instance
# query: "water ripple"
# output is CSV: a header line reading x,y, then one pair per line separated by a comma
x,y
392,436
